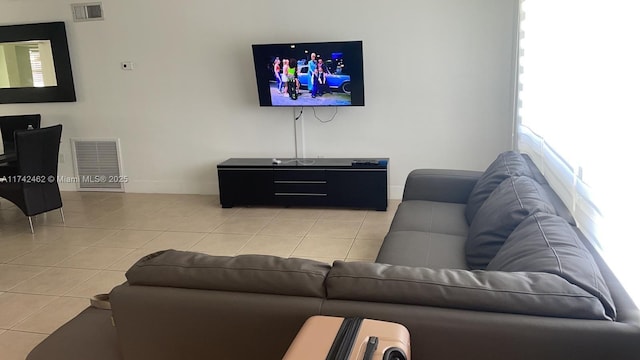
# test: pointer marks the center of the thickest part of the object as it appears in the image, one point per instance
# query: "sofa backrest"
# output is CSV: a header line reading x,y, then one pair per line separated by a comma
x,y
507,164
508,205
244,273
547,243
544,241
533,293
530,293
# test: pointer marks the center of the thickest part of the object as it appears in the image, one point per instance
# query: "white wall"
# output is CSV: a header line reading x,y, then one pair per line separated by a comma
x,y
438,84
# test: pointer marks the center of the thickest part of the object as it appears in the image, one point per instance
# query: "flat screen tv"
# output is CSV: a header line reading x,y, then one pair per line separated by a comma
x,y
310,74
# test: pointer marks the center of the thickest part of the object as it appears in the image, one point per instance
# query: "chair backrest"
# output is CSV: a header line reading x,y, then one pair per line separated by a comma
x,y
12,123
37,151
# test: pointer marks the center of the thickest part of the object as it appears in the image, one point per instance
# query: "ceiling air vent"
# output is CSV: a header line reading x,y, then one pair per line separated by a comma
x,y
87,11
97,164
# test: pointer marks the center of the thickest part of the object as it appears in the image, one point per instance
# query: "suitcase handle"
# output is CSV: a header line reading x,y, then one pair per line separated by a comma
x,y
372,346
346,337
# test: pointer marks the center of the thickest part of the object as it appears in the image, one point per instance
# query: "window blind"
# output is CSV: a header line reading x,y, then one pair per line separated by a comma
x,y
578,115
36,66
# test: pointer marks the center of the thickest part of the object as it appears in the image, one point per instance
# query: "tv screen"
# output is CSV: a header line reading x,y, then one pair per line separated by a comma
x,y
310,74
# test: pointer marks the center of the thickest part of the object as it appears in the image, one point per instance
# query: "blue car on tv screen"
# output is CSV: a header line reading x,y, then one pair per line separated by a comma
x,y
338,82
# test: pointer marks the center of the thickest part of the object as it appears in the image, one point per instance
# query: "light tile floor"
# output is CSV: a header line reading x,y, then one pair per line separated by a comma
x,y
47,278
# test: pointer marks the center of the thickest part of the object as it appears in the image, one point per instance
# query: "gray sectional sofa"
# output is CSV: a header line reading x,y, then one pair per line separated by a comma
x,y
476,265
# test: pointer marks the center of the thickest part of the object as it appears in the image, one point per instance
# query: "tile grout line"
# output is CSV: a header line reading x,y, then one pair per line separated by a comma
x,y
357,232
34,311
28,332
32,277
306,234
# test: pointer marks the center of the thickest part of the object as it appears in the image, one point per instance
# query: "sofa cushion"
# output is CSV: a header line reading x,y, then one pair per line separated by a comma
x,y
507,164
513,200
245,273
530,293
430,216
561,209
424,249
547,243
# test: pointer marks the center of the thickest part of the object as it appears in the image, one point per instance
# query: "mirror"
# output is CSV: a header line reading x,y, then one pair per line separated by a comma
x,y
27,64
35,65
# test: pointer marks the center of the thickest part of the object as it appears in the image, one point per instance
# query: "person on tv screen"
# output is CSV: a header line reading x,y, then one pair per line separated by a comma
x,y
285,75
324,67
276,73
315,80
293,83
313,64
320,85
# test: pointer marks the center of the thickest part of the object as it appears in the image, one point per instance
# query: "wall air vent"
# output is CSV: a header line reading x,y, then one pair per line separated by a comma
x,y
97,164
87,11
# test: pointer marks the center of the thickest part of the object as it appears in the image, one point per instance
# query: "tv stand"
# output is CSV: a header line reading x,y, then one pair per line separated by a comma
x,y
338,182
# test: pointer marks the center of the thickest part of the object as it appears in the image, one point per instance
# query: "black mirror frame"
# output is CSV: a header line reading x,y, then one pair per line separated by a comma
x,y
56,33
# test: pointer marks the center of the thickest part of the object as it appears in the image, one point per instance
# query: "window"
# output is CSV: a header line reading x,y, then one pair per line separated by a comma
x,y
578,111
36,67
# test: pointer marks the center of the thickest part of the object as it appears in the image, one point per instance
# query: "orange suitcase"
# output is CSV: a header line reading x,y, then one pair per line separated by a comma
x,y
336,338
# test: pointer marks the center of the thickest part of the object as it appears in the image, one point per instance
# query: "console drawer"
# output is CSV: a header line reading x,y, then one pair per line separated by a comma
x,y
299,174
301,187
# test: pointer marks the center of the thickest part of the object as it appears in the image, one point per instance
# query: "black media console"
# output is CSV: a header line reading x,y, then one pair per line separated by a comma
x,y
353,183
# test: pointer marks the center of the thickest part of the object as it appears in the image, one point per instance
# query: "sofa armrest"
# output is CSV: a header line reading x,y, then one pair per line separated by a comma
x,y
452,186
90,335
